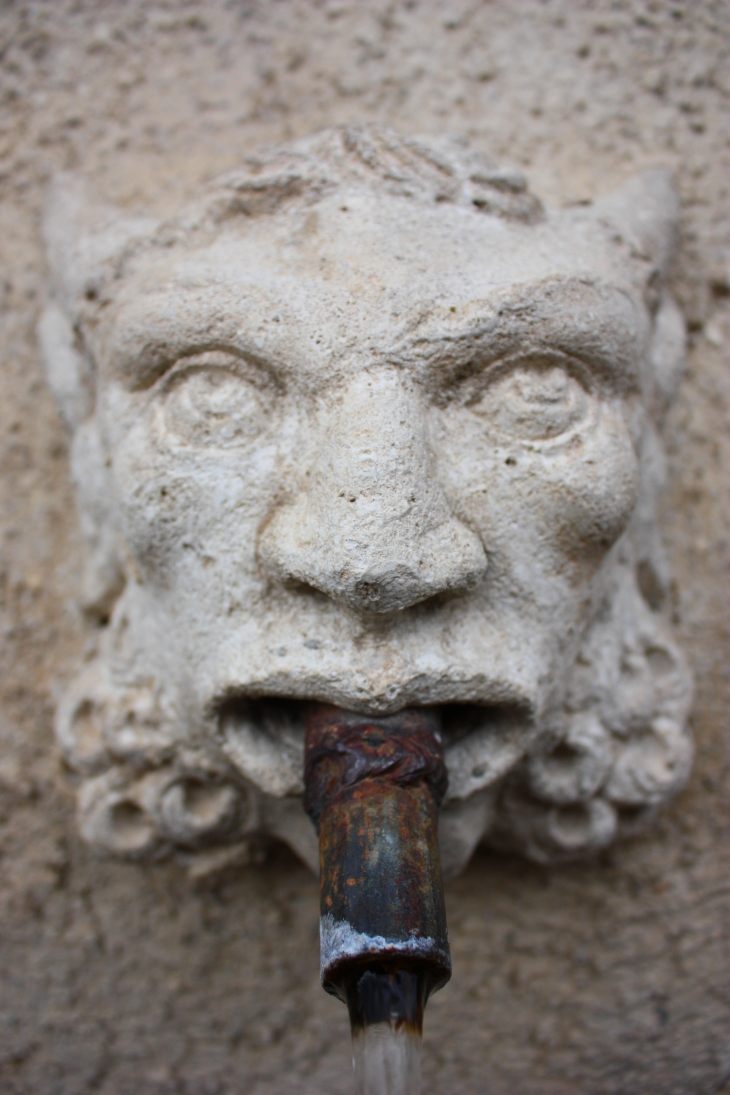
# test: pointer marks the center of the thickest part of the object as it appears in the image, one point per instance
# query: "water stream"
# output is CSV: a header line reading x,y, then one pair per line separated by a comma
x,y
386,1017
386,1060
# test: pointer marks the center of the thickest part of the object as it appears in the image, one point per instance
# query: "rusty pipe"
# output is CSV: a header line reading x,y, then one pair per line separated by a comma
x,y
372,788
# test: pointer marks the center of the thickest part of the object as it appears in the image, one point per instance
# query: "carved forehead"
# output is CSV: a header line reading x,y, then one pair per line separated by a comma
x,y
366,238
371,275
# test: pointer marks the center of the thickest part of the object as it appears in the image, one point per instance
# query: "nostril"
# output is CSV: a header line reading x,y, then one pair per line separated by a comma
x,y
369,592
300,586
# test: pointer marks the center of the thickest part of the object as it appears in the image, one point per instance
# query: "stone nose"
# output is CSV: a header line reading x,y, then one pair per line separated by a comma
x,y
373,529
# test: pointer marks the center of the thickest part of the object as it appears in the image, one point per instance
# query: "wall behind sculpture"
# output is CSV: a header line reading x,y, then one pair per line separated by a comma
x,y
609,976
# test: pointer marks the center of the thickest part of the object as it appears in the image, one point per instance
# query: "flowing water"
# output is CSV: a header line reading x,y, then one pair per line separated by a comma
x,y
386,1017
386,1060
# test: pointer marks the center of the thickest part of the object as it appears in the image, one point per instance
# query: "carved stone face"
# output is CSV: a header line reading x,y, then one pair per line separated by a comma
x,y
367,425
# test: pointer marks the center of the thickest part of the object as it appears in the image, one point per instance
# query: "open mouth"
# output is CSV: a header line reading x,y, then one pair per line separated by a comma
x,y
263,738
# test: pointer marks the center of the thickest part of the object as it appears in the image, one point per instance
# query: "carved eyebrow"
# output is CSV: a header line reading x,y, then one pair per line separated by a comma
x,y
598,323
153,330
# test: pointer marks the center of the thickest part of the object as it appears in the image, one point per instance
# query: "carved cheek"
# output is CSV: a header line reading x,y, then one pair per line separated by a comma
x,y
554,505
592,486
569,506
187,513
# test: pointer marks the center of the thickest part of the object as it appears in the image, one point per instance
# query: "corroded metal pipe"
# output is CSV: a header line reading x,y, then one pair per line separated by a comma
x,y
372,788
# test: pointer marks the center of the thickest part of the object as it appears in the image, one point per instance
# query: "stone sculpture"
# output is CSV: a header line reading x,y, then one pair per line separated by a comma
x,y
368,424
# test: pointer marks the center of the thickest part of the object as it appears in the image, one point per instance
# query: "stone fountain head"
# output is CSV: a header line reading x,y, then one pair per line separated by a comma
x,y
368,425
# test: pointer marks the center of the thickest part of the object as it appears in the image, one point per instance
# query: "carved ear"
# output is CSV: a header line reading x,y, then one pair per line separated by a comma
x,y
81,233
667,354
646,213
69,376
68,371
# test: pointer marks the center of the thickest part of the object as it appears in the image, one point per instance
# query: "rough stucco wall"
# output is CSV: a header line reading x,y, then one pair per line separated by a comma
x,y
605,977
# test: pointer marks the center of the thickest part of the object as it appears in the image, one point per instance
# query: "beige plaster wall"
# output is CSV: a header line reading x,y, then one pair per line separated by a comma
x,y
606,977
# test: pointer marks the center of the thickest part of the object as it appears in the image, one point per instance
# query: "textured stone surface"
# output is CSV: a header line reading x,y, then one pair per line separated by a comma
x,y
605,976
367,424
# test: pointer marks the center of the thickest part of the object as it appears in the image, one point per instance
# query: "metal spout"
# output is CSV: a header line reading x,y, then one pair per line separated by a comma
x,y
372,788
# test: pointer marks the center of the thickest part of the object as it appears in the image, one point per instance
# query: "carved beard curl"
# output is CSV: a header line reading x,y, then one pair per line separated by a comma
x,y
597,769
622,749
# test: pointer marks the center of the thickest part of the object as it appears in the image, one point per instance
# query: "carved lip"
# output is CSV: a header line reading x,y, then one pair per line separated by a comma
x,y
457,719
263,738
477,692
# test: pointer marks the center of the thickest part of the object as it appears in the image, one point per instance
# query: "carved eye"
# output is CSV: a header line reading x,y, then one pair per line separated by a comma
x,y
535,401
208,404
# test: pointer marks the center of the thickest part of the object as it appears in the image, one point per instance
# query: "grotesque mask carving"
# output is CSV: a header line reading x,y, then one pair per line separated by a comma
x,y
367,424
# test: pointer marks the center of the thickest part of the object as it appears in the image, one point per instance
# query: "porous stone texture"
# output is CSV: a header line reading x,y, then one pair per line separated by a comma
x,y
199,975
367,424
